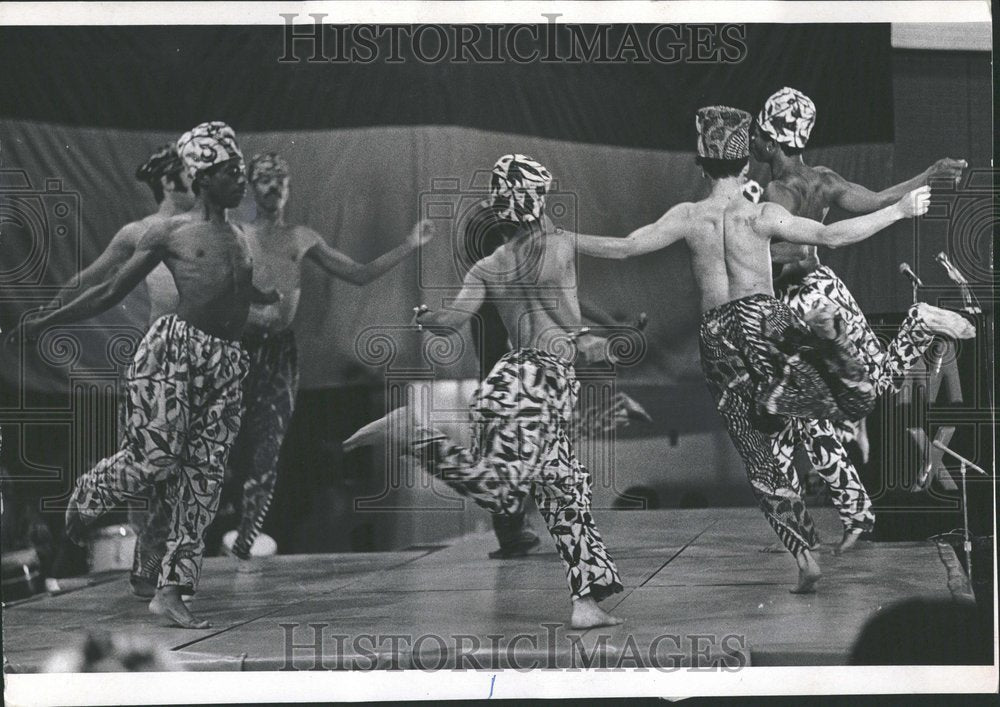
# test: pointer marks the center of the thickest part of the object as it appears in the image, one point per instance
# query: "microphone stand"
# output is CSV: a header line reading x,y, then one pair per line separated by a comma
x,y
967,544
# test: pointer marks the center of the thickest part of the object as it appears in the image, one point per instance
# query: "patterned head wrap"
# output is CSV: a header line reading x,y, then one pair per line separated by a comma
x,y
723,133
788,117
517,188
206,145
268,163
162,162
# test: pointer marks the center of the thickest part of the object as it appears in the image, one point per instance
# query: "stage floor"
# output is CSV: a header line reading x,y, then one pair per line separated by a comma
x,y
701,586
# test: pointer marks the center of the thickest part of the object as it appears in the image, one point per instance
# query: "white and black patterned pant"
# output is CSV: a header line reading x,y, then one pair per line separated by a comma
x,y
521,441
823,440
183,410
268,401
762,365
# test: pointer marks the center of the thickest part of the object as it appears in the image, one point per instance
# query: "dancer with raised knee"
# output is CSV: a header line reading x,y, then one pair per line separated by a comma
x,y
761,362
485,232
523,408
778,137
183,387
164,173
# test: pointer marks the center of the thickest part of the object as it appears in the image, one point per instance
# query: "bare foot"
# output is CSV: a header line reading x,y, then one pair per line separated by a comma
x,y
946,323
61,585
850,537
372,433
143,587
809,574
168,603
587,614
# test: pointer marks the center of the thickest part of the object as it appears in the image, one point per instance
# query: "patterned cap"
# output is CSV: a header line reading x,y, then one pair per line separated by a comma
x,y
162,162
788,117
723,133
517,188
269,163
206,145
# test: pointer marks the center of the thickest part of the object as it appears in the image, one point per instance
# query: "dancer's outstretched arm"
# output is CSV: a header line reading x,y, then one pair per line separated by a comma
x,y
461,309
112,258
340,265
775,222
103,295
670,228
859,200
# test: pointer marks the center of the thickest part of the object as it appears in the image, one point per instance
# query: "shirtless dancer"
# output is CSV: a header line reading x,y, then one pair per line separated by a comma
x,y
778,137
760,362
183,387
166,177
524,406
279,250
484,233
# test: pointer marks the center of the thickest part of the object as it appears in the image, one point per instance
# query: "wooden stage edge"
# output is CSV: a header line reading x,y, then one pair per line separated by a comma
x,y
706,587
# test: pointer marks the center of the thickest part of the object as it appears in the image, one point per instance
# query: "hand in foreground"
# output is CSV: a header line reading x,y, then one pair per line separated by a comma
x,y
915,203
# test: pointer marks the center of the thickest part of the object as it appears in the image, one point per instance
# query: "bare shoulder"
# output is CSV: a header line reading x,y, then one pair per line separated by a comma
x,y
777,190
160,231
766,215
130,234
685,209
562,240
485,269
827,176
306,238
769,210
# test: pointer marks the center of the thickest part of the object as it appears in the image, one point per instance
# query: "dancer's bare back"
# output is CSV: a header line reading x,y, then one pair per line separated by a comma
x,y
807,192
531,280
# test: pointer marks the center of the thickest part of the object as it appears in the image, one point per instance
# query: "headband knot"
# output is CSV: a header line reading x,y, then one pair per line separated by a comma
x,y
161,163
